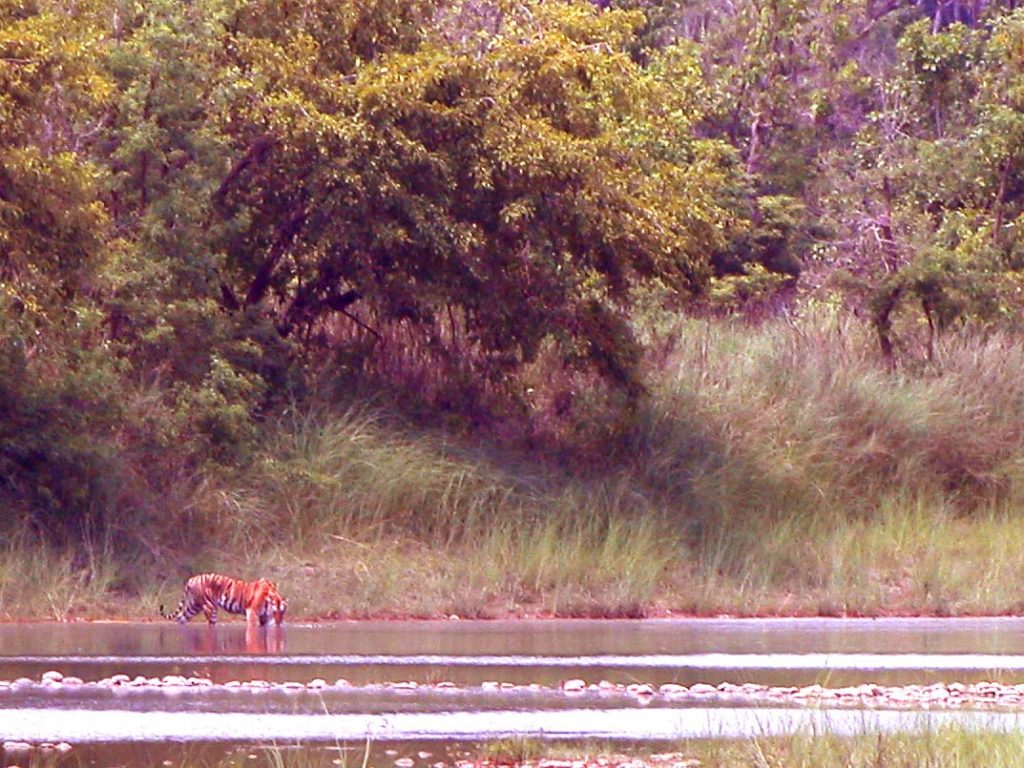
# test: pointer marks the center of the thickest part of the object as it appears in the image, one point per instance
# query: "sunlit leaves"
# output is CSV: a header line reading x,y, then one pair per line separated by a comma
x,y
528,174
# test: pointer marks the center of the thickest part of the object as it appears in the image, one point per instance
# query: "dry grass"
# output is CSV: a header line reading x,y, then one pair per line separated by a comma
x,y
38,581
952,747
945,748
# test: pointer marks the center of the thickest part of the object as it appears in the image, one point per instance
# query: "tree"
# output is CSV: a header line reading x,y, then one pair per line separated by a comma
x,y
933,187
516,185
56,402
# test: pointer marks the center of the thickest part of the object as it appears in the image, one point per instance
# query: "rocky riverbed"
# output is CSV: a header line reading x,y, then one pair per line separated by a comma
x,y
937,695
991,696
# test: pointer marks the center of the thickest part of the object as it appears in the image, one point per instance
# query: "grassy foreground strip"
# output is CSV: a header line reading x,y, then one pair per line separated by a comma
x,y
771,470
945,748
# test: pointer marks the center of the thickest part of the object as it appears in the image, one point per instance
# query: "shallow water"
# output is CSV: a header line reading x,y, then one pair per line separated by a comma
x,y
474,656
769,651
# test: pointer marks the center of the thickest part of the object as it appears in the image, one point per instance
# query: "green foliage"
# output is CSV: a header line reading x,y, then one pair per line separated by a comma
x,y
517,183
937,66
56,416
209,209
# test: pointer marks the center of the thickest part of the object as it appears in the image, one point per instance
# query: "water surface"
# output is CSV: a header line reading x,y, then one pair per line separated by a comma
x,y
474,656
769,651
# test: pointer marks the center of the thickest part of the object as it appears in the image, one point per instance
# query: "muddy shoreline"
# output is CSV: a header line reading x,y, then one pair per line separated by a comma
x,y
661,615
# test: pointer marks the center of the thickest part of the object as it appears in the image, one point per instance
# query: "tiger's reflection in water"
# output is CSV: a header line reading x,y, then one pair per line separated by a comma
x,y
229,640
212,641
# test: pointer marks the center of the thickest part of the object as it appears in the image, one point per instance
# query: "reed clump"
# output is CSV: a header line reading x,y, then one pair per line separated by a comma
x,y
948,747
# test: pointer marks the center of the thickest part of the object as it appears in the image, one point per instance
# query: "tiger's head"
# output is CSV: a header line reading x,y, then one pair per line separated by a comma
x,y
273,604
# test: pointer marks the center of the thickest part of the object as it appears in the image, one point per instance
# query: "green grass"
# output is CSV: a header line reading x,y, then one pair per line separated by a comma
x,y
41,582
946,748
773,469
951,747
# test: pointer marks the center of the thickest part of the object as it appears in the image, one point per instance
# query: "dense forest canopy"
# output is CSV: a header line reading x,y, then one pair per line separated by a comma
x,y
208,209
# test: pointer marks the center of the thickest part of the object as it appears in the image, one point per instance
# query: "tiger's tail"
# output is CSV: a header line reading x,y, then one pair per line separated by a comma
x,y
178,615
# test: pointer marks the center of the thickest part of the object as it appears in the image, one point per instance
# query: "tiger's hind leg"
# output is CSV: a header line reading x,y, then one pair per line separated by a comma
x,y
187,608
210,611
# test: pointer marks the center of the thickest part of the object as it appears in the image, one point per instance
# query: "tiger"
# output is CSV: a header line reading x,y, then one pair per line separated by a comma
x,y
258,600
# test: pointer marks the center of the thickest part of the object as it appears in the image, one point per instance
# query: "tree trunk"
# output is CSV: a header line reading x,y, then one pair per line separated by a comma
x,y
260,283
885,305
1004,174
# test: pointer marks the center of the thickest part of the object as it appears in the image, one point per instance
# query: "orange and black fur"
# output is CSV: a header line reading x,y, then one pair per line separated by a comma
x,y
258,600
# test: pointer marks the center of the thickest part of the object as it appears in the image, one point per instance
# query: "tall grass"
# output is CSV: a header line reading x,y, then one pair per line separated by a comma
x,y
945,748
798,424
351,472
39,581
776,468
949,747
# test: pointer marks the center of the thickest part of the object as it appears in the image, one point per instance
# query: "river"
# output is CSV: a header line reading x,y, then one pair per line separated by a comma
x,y
425,689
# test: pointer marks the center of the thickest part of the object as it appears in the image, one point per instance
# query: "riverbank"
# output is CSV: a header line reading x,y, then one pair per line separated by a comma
x,y
902,564
774,470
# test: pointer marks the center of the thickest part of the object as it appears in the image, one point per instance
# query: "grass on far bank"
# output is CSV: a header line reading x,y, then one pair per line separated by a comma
x,y
778,469
904,561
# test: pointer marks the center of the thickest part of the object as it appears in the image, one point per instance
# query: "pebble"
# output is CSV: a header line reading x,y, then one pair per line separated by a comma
x,y
640,689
